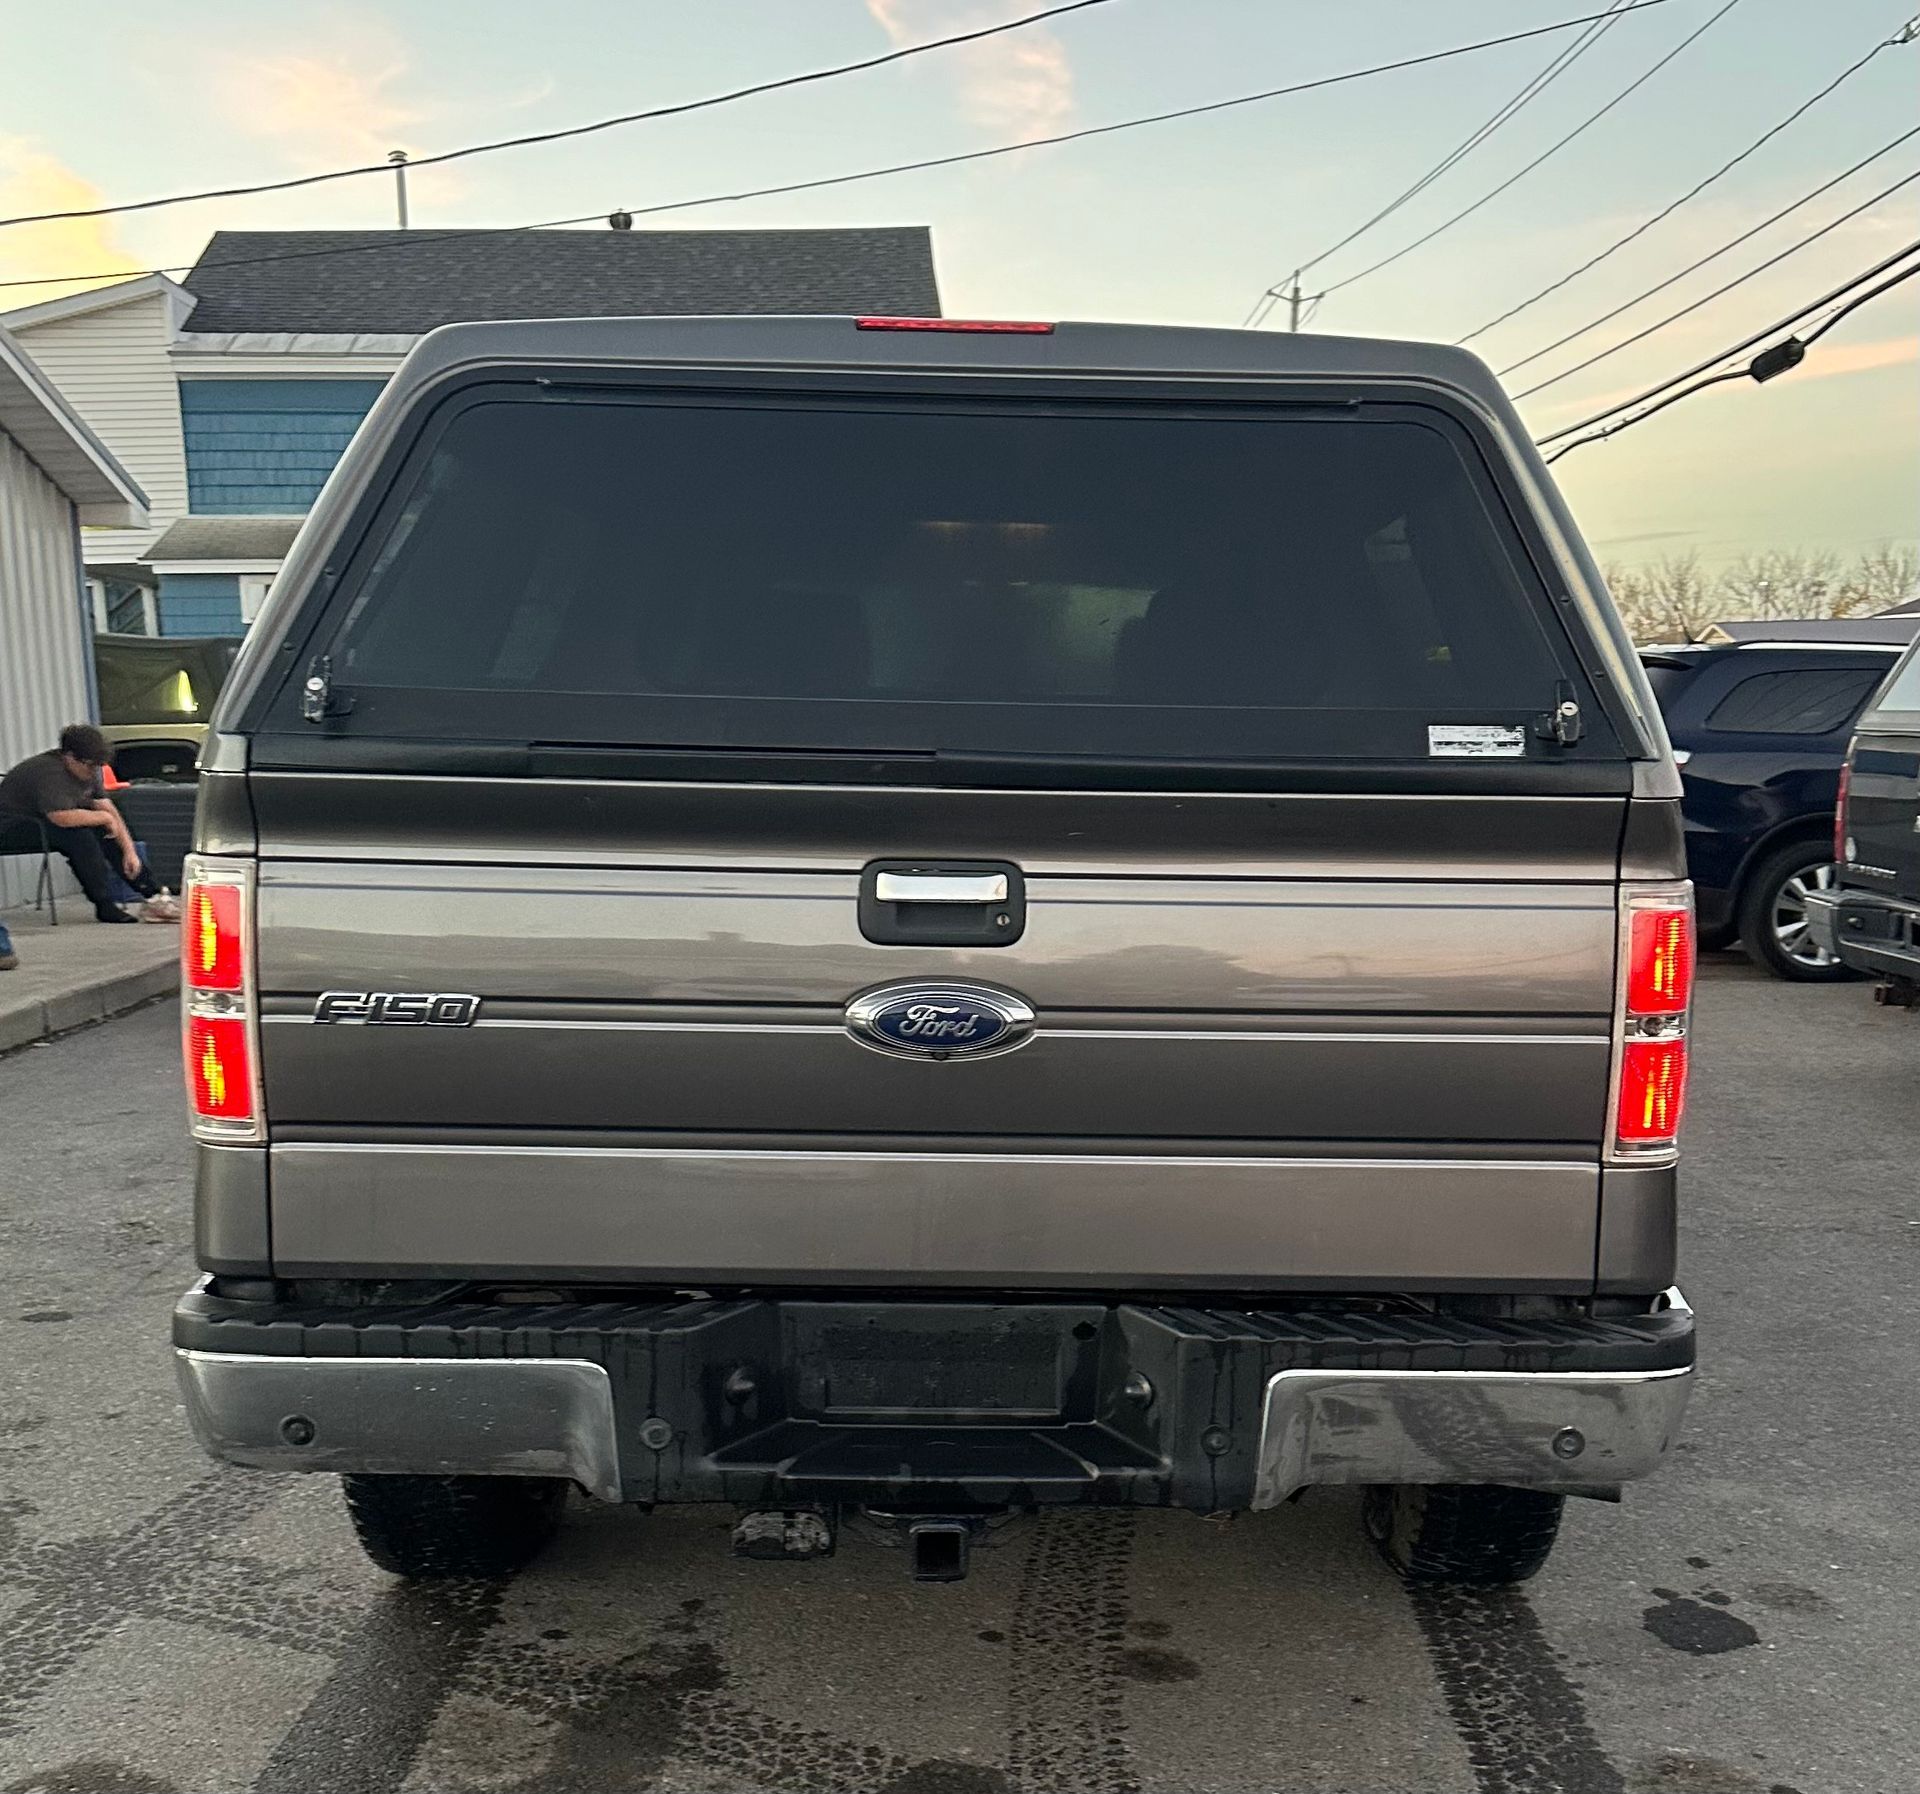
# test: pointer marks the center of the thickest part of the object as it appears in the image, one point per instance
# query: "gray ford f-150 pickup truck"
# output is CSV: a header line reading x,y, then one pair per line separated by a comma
x,y
904,920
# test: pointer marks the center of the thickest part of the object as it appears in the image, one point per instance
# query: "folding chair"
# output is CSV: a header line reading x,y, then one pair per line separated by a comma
x,y
29,836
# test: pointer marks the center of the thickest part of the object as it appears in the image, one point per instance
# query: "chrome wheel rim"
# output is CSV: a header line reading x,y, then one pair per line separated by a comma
x,y
1791,932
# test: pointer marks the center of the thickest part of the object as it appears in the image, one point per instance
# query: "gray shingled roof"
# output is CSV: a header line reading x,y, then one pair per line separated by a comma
x,y
404,282
225,539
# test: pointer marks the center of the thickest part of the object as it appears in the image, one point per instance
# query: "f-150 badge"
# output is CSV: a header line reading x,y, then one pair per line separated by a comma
x,y
397,1008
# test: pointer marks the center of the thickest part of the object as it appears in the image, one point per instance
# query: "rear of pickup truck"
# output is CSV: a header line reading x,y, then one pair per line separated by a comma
x,y
1871,917
927,920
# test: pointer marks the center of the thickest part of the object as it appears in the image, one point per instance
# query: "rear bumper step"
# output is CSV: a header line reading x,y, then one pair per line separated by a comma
x,y
936,1406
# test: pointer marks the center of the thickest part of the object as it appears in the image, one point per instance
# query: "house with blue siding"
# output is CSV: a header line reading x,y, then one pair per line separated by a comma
x,y
229,395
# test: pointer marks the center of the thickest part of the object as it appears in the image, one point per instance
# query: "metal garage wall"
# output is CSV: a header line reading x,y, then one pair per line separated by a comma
x,y
45,644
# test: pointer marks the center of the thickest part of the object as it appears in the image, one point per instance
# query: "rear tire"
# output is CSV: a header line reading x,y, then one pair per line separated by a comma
x,y
1772,920
1478,1534
431,1527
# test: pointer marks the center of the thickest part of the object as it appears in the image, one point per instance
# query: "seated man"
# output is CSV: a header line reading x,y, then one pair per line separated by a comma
x,y
62,789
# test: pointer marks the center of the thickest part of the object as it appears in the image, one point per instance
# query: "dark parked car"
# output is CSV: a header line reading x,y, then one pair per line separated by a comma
x,y
1760,730
1871,918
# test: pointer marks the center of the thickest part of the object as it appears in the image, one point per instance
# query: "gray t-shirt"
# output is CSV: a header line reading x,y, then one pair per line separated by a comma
x,y
41,784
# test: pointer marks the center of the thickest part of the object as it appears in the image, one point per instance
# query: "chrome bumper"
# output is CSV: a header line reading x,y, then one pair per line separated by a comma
x,y
407,1416
1565,1430
1582,1429
1534,1430
1823,921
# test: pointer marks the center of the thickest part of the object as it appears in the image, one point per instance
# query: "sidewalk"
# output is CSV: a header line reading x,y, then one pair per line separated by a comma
x,y
80,972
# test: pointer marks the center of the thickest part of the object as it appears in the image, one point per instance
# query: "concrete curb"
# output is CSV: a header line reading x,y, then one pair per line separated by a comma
x,y
38,1018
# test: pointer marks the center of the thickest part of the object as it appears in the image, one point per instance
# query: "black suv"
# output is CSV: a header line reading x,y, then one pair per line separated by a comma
x,y
1760,730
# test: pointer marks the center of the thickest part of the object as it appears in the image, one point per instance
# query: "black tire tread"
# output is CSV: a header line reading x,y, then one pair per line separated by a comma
x,y
427,1528
1480,1535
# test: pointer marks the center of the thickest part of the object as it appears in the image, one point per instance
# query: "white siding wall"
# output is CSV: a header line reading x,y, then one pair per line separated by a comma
x,y
45,643
111,366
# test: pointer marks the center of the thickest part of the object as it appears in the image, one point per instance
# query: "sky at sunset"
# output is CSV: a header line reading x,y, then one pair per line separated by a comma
x,y
1184,222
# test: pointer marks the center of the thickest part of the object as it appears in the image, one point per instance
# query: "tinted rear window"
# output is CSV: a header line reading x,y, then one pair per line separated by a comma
x,y
1811,701
836,576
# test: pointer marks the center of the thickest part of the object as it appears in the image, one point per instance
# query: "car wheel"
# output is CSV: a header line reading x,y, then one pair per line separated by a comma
x,y
1479,1535
1773,914
427,1528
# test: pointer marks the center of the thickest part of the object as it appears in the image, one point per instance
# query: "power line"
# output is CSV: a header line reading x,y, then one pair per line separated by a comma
x,y
1553,149
1598,23
1840,293
869,174
1769,363
1714,254
1905,35
1718,292
1563,60
604,124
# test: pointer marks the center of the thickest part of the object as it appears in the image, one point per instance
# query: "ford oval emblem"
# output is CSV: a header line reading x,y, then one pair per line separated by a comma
x,y
940,1021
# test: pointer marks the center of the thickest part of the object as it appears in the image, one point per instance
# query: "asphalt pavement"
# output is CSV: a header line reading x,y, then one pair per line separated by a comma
x,y
1743,1624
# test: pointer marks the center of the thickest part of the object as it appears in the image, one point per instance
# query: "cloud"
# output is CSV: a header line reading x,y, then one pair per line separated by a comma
x,y
322,106
1019,85
34,180
345,96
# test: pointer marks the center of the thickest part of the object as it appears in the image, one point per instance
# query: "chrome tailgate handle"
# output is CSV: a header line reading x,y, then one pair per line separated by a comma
x,y
941,887
942,903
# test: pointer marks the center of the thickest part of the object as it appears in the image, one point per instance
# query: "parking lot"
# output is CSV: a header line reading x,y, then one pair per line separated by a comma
x,y
1740,1624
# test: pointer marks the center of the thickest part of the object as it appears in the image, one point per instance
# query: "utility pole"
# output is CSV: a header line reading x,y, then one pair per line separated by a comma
x,y
1293,302
399,160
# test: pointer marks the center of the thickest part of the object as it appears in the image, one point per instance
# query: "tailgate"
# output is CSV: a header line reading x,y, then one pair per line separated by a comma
x,y
1883,810
1269,1049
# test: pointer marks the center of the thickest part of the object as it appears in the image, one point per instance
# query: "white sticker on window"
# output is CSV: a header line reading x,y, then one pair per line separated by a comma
x,y
1475,741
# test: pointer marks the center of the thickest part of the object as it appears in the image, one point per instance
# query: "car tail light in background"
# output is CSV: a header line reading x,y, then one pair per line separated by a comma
x,y
1654,998
1842,847
220,1026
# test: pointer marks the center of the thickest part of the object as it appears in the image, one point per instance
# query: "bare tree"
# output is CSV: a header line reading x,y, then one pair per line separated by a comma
x,y
1877,581
1673,600
1667,601
1780,582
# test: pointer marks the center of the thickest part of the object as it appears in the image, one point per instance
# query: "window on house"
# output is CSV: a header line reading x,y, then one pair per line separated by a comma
x,y
121,607
253,593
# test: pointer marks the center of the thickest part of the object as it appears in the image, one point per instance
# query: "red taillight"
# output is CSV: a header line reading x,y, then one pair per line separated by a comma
x,y
1840,854
977,326
1659,961
219,1068
1654,993
210,944
1653,1090
217,1038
